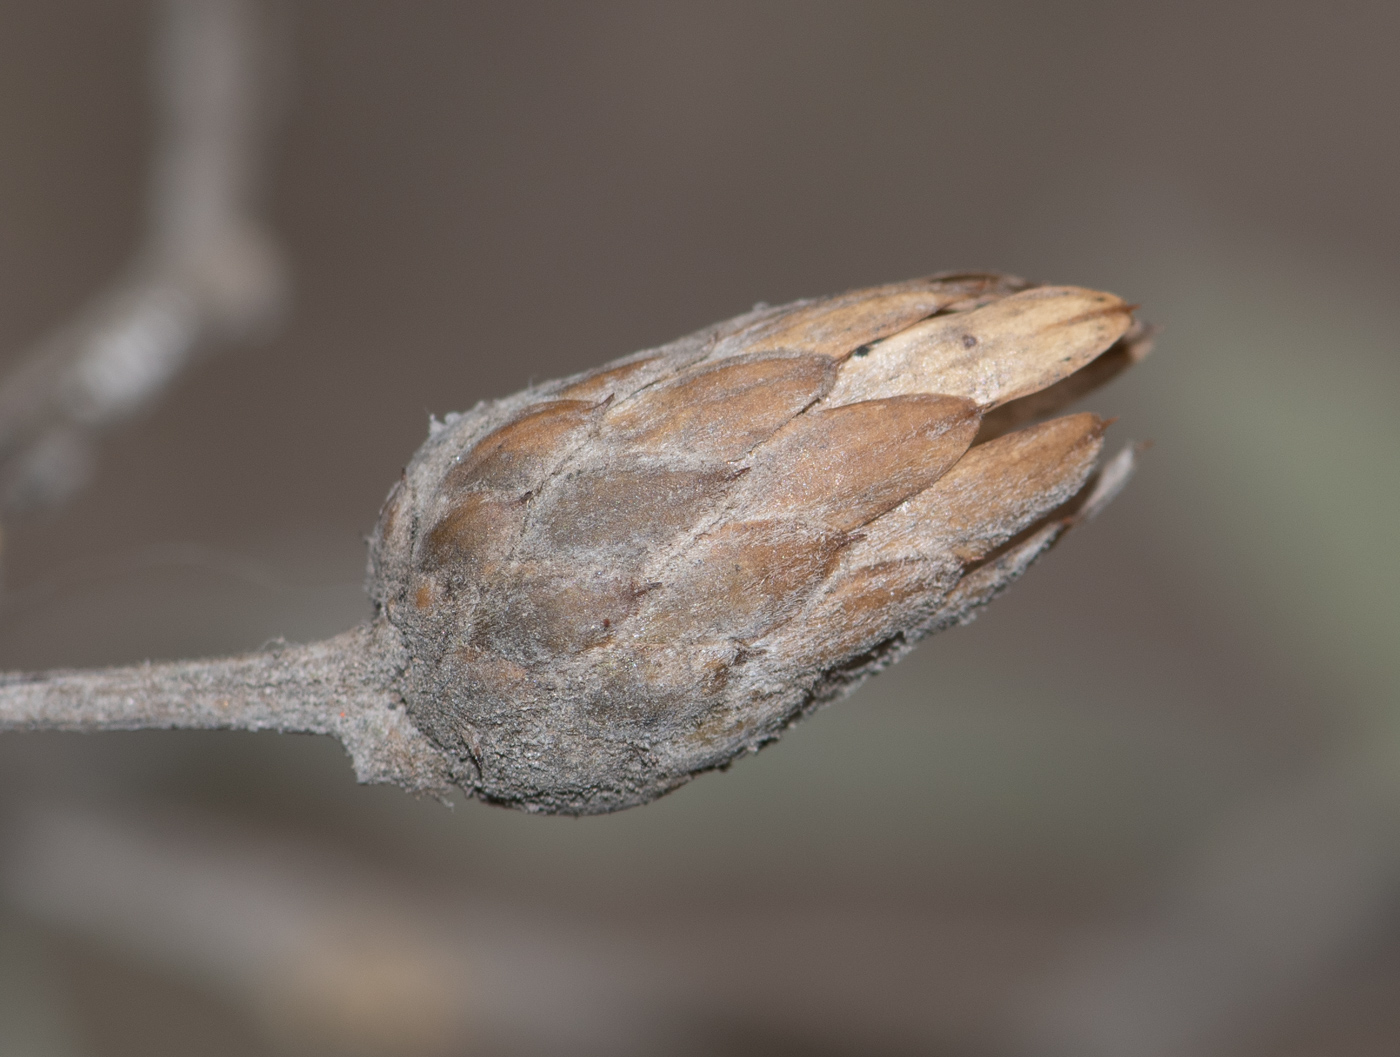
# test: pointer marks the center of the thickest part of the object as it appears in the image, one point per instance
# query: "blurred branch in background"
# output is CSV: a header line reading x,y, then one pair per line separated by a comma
x,y
327,957
209,270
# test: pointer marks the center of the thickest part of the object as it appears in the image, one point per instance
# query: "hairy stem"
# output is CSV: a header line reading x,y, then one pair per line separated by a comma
x,y
343,686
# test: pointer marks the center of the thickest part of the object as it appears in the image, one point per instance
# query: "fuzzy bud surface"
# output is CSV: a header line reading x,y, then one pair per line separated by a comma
x,y
611,583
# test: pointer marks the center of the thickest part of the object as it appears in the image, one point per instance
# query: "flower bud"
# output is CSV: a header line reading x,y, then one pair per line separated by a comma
x,y
608,584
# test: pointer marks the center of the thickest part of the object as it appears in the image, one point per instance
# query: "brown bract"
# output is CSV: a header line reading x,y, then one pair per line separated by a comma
x,y
609,584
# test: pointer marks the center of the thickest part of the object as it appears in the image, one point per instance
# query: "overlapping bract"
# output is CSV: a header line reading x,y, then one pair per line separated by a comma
x,y
614,582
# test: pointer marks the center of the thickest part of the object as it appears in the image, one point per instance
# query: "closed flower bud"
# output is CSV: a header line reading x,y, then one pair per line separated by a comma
x,y
611,583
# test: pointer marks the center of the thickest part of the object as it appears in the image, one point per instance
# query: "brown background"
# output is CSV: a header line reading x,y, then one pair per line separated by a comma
x,y
476,195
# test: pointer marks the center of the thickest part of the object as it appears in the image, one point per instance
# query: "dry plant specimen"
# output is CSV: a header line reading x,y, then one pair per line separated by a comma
x,y
589,592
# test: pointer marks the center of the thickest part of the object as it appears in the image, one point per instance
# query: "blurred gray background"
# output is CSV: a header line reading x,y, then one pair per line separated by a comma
x,y
1148,805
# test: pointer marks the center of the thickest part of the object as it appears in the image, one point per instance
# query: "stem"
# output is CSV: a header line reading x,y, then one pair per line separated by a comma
x,y
343,686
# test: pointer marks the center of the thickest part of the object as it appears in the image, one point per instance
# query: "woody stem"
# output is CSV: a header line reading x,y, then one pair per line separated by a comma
x,y
343,686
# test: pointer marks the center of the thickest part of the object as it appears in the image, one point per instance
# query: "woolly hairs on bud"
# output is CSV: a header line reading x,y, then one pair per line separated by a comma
x,y
609,584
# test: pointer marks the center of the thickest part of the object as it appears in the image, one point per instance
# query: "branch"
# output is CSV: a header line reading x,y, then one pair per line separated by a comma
x,y
208,269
